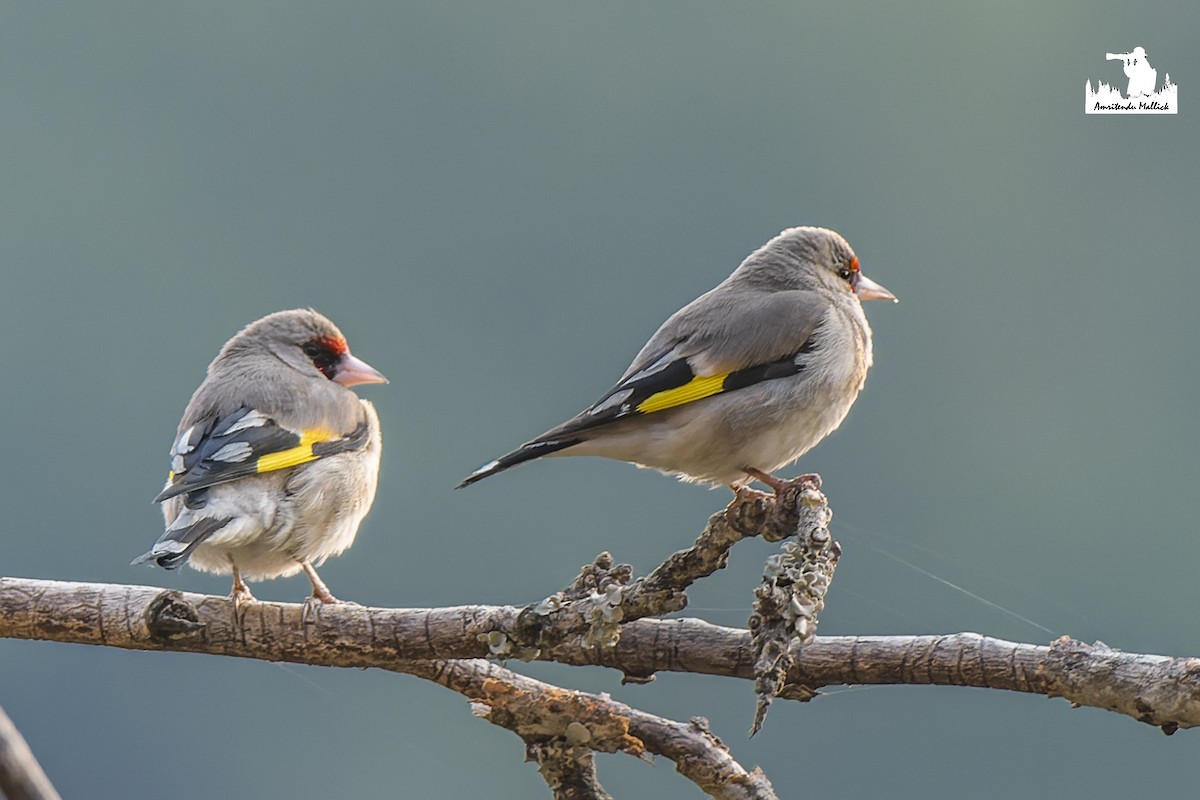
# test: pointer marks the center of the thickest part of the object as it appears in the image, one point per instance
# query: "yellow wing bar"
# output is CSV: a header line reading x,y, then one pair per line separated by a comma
x,y
293,456
695,389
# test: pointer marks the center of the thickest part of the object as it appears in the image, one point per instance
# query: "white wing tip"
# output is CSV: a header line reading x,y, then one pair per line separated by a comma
x,y
488,467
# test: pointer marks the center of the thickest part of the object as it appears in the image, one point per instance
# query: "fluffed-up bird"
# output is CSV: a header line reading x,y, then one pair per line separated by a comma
x,y
741,381
275,461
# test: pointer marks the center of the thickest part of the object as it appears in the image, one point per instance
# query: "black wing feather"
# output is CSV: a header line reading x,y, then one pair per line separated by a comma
x,y
223,448
624,398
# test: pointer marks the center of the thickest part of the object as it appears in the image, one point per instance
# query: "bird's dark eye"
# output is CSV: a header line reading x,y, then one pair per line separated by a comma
x,y
324,357
849,272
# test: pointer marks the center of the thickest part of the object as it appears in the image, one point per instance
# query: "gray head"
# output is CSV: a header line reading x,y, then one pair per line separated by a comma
x,y
305,341
809,258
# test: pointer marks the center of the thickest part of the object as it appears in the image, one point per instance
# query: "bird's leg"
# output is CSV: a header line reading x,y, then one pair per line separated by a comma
x,y
743,492
779,485
320,590
240,595
321,594
241,592
765,477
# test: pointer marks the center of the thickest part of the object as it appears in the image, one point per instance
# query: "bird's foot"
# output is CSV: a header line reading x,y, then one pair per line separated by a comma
x,y
313,603
741,496
308,611
780,485
809,480
746,511
321,595
242,598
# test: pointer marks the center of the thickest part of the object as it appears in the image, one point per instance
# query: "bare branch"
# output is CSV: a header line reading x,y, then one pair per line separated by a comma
x,y
21,776
1158,690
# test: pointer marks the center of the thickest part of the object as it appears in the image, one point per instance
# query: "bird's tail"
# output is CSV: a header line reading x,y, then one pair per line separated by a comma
x,y
526,452
177,544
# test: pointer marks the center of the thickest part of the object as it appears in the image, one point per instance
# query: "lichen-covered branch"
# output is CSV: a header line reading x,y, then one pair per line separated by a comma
x,y
790,596
1158,690
21,776
564,723
605,596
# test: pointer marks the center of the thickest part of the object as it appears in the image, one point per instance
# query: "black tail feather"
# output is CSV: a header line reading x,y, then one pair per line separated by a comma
x,y
174,547
526,452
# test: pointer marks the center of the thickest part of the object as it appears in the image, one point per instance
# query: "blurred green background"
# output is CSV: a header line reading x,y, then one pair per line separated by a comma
x,y
498,203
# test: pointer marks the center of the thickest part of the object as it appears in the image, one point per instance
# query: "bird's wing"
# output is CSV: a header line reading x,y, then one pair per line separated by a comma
x,y
719,343
223,447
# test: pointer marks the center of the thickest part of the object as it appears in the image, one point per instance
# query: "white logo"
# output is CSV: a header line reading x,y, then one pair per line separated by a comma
x,y
1140,96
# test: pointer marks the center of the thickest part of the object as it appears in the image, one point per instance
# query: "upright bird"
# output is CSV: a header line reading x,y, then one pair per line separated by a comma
x,y
741,381
275,461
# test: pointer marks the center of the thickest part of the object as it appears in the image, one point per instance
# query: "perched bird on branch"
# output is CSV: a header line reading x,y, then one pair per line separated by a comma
x,y
275,461
741,381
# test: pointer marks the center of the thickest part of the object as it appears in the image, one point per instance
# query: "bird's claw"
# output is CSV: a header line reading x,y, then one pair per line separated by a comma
x,y
741,496
313,603
241,599
309,609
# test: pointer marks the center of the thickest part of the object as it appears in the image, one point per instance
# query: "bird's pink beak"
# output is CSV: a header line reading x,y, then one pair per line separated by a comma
x,y
867,289
352,371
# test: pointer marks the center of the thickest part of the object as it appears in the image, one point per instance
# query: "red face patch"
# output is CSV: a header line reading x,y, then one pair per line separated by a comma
x,y
334,344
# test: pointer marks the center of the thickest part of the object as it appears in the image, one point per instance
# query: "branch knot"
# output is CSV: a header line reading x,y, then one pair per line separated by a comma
x,y
170,618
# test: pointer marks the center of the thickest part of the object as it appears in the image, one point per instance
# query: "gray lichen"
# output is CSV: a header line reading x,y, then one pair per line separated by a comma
x,y
791,595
